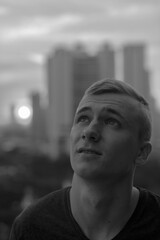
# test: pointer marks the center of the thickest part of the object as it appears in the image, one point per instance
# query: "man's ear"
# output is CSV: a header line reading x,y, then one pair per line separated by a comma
x,y
144,153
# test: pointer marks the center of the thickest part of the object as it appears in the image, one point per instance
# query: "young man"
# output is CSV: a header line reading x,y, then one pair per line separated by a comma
x,y
109,138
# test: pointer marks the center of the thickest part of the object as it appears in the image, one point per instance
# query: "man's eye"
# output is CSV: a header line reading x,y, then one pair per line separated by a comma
x,y
112,122
83,119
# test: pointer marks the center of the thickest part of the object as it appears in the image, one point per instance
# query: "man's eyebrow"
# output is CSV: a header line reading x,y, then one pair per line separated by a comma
x,y
83,109
105,109
113,111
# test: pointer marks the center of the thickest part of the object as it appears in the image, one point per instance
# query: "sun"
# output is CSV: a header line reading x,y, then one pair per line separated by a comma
x,y
23,113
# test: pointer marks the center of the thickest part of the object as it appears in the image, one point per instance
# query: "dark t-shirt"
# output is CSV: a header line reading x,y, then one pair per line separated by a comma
x,y
50,218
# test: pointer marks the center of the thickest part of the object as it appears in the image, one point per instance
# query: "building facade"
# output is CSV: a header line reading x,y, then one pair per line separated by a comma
x,y
69,73
136,74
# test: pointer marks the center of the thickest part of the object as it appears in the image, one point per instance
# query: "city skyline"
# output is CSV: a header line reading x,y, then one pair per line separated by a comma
x,y
31,30
71,72
68,73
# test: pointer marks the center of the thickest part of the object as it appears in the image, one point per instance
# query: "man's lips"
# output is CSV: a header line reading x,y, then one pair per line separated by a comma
x,y
88,151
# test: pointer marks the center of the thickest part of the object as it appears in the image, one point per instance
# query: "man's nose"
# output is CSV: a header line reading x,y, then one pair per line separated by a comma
x,y
91,132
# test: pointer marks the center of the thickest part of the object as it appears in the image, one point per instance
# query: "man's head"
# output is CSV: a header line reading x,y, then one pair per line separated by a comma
x,y
106,86
111,131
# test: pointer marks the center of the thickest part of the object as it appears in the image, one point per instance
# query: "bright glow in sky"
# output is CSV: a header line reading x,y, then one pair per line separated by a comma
x,y
23,114
30,30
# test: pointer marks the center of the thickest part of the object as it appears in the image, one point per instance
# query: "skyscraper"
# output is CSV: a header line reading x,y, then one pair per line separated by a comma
x,y
60,98
69,73
134,69
106,62
38,124
85,72
136,74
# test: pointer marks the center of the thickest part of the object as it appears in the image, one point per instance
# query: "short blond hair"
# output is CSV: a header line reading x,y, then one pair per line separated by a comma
x,y
115,86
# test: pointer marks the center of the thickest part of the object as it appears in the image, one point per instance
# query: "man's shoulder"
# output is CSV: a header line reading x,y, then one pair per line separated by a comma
x,y
46,218
150,200
52,204
149,195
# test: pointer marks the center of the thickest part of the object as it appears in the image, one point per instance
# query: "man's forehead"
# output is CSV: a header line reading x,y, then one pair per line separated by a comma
x,y
109,100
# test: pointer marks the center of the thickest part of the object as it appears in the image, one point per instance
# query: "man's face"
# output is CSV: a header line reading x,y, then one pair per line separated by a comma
x,y
105,136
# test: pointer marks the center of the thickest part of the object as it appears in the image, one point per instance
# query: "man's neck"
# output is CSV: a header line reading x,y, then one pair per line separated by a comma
x,y
101,209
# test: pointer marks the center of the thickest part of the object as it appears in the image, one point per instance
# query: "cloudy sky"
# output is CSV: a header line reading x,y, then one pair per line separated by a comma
x,y
30,29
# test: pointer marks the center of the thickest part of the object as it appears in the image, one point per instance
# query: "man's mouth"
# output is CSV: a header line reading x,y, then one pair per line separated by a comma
x,y
89,151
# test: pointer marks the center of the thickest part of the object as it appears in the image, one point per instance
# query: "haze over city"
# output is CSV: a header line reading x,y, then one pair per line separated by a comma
x,y
30,30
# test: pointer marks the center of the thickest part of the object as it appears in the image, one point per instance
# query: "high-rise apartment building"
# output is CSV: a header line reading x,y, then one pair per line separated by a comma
x,y
59,80
38,124
69,73
134,69
106,62
85,72
137,75
12,115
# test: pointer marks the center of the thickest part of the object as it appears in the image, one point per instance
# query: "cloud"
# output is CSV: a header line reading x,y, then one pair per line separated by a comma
x,y
50,20
52,7
39,27
37,58
3,11
132,10
30,29
30,8
126,20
